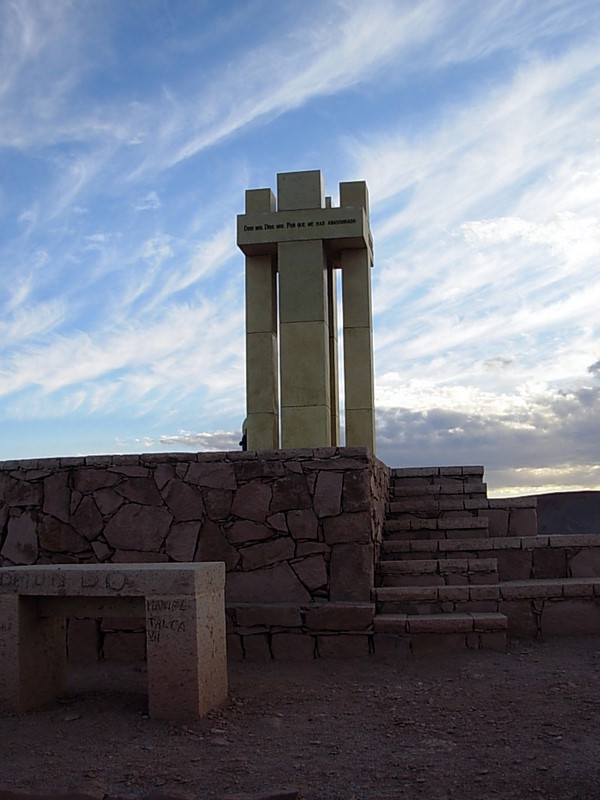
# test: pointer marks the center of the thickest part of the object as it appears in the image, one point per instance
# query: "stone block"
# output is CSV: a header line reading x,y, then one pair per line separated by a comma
x,y
484,592
33,655
187,659
268,615
124,646
144,491
247,470
355,494
340,617
312,571
571,617
163,473
328,494
122,624
185,502
342,645
136,527
351,572
138,557
303,523
585,564
549,563
217,503
90,479
311,549
245,531
212,475
522,522
497,521
22,493
83,641
292,647
584,587
300,190
278,584
252,501
272,552
214,546
256,647
101,550
514,565
57,496
107,501
87,519
21,543
182,540
440,623
348,528
278,522
524,590
522,621
58,537
290,493
453,594
489,622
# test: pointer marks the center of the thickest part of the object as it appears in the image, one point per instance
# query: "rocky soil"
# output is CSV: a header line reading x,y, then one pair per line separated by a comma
x,y
524,724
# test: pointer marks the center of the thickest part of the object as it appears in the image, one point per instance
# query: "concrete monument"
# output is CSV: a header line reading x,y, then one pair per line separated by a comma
x,y
293,245
184,609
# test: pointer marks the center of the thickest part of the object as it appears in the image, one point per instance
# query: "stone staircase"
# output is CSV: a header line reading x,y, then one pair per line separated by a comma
x,y
428,593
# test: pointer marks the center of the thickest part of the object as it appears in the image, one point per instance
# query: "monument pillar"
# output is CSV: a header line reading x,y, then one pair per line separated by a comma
x,y
301,244
262,364
359,380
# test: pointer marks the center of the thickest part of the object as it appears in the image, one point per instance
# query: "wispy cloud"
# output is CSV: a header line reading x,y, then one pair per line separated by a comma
x,y
123,161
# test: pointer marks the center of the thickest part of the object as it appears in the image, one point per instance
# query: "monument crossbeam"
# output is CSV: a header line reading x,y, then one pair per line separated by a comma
x,y
339,228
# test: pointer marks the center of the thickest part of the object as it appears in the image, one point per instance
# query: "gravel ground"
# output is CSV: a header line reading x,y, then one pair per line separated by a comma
x,y
522,724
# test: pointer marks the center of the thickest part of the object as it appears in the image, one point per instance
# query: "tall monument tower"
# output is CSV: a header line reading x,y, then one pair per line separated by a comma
x,y
293,245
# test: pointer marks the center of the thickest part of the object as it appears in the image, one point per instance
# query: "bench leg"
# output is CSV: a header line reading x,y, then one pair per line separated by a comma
x,y
186,651
33,655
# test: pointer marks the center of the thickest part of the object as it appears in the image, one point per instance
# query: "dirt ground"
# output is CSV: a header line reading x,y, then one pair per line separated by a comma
x,y
524,724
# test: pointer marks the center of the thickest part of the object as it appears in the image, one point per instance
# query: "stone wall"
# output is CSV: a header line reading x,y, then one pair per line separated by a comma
x,y
299,533
514,516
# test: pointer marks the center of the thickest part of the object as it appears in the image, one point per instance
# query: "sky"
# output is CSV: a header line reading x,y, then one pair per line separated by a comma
x,y
129,132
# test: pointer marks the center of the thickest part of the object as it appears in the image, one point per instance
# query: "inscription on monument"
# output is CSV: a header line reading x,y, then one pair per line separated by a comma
x,y
299,224
29,581
260,232
161,615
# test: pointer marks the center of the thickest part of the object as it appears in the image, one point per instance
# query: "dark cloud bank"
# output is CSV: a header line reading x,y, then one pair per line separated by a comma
x,y
561,433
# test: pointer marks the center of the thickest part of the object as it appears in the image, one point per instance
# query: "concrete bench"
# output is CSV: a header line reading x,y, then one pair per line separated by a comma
x,y
184,609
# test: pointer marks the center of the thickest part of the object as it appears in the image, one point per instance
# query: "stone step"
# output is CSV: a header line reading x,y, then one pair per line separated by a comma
x,y
549,588
436,599
557,556
438,572
402,489
439,623
437,472
405,549
551,607
435,504
440,632
456,527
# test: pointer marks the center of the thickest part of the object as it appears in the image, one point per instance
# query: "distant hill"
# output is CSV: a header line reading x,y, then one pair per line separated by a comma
x,y
568,512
